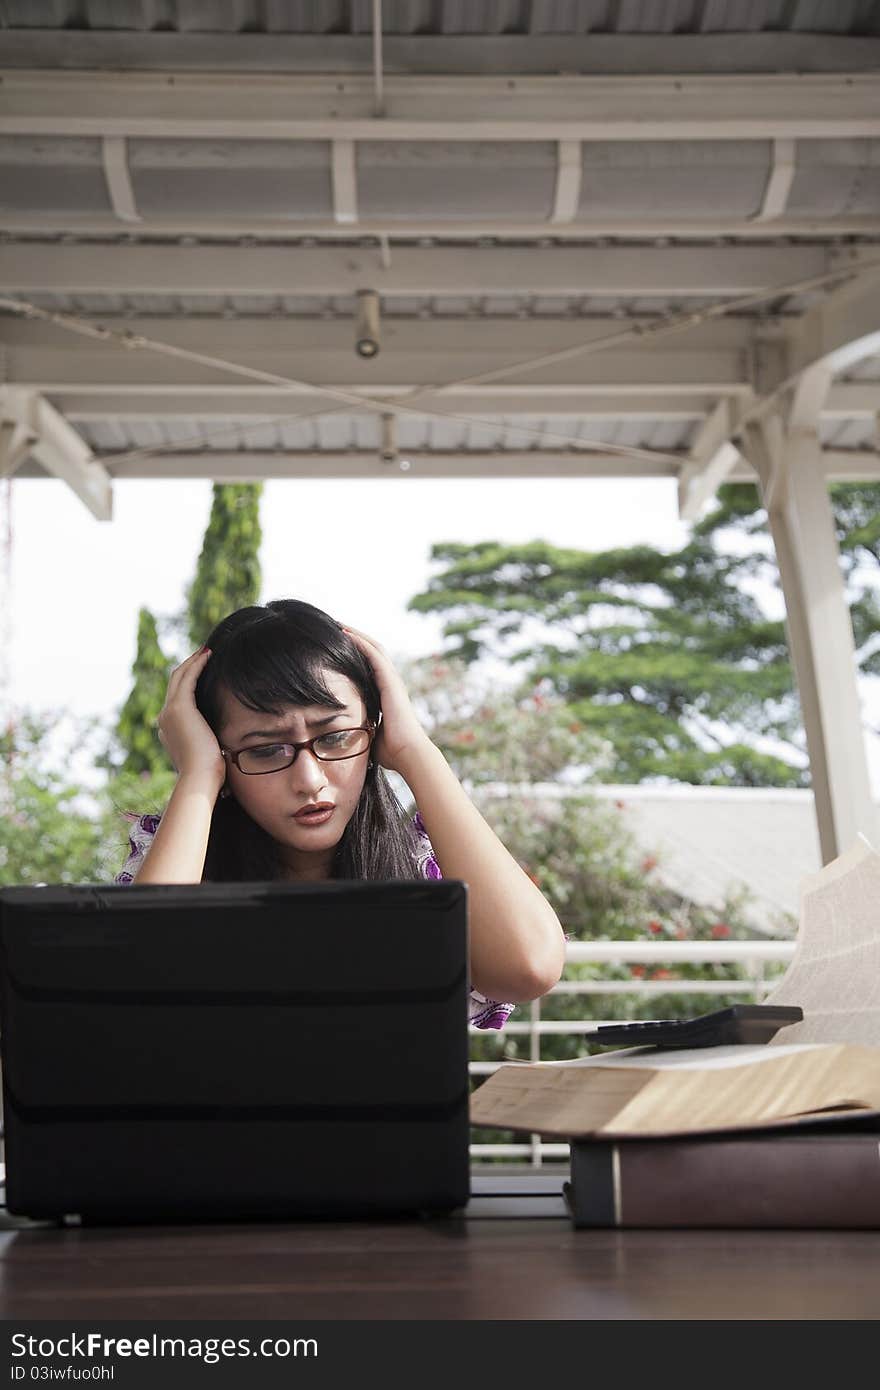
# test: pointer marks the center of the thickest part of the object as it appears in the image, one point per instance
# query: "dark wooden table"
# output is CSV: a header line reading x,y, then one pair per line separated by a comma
x,y
511,1254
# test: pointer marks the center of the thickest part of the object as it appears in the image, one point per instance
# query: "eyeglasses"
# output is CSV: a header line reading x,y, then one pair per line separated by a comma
x,y
329,748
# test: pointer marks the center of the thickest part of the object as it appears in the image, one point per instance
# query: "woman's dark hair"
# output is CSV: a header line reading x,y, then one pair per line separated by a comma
x,y
269,656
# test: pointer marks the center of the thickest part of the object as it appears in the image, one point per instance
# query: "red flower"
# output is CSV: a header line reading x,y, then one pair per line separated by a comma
x,y
662,975
637,970
648,863
621,805
655,927
575,728
720,930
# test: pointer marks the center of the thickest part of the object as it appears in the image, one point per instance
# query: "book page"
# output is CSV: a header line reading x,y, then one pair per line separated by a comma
x,y
835,973
702,1091
676,1059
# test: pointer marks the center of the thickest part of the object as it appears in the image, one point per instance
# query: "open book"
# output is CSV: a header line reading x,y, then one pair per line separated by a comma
x,y
699,1091
829,1062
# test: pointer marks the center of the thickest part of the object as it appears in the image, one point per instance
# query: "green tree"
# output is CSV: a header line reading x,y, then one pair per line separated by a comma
x,y
668,657
50,833
135,732
228,570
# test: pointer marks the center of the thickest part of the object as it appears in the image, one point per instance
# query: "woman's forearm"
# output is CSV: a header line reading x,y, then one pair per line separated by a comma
x,y
517,947
177,854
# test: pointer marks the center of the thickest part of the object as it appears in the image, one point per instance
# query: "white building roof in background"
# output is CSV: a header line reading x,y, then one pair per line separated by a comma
x,y
712,842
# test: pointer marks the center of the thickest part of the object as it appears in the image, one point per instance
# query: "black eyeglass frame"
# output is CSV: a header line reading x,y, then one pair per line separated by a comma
x,y
307,743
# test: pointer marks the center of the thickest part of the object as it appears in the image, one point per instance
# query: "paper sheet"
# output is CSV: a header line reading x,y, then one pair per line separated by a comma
x,y
835,973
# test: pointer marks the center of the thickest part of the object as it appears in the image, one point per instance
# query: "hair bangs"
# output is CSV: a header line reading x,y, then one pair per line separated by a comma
x,y
266,674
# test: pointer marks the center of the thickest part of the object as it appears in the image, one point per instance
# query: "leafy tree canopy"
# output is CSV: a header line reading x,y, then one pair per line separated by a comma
x,y
669,657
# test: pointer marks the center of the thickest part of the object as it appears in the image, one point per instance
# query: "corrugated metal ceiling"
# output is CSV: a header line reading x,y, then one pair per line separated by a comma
x,y
449,17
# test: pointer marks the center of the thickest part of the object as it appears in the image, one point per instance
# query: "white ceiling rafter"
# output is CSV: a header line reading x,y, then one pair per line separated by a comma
x,y
267,106
660,225
250,465
590,270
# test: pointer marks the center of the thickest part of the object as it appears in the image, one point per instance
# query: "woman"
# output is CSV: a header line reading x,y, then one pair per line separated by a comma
x,y
278,729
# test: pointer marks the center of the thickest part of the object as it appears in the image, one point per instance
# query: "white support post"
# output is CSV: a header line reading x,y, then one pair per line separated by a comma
x,y
793,482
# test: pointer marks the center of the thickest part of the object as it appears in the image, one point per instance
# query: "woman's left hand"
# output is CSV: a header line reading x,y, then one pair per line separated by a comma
x,y
400,733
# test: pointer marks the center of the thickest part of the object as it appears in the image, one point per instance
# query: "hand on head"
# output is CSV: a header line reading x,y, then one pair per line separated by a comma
x,y
184,733
400,731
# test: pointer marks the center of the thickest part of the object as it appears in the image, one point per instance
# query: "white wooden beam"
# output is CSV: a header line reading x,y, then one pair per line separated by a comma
x,y
711,359
839,465
278,227
58,449
670,271
596,54
246,465
795,489
114,156
244,106
144,401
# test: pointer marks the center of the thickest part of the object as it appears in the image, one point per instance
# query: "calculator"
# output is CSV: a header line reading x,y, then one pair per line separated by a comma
x,y
741,1023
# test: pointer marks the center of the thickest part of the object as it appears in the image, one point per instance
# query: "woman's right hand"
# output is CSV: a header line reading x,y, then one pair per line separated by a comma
x,y
184,733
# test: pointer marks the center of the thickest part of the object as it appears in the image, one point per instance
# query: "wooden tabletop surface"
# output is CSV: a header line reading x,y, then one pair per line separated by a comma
x,y
511,1254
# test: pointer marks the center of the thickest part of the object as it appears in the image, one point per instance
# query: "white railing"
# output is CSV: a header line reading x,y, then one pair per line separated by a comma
x,y
754,956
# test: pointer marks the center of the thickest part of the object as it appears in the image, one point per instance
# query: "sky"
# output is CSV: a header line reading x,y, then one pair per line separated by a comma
x,y
360,550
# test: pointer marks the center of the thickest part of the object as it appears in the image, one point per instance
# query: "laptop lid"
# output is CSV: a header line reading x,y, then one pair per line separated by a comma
x,y
235,1050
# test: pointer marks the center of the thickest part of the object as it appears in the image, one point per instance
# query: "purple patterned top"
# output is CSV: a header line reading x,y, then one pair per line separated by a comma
x,y
482,1012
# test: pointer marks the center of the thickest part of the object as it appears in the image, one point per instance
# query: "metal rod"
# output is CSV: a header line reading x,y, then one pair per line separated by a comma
x,y
378,93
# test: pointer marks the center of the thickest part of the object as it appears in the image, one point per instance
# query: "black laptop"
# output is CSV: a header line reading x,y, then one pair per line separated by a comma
x,y
226,1051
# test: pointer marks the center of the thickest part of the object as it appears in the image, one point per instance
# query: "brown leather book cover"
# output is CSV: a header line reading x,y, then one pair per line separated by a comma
x,y
820,1181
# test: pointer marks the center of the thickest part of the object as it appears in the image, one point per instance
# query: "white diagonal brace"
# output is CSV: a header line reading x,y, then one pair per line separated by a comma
x,y
712,459
15,445
58,448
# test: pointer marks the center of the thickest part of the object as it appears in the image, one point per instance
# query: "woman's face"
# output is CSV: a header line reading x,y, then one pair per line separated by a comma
x,y
275,800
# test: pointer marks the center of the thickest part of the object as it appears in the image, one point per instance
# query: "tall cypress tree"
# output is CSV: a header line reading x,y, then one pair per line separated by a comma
x,y
228,572
135,729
